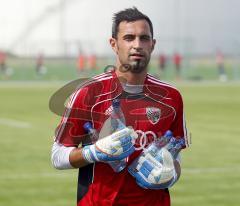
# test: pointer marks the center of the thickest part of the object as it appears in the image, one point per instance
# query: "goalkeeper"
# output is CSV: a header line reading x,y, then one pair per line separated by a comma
x,y
151,108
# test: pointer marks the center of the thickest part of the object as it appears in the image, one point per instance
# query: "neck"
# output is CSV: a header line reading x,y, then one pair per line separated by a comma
x,y
132,78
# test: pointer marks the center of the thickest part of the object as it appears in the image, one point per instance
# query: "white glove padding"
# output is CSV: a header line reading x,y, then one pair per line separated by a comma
x,y
116,146
154,169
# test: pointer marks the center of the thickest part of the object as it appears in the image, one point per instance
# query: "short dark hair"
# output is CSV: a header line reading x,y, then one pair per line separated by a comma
x,y
129,15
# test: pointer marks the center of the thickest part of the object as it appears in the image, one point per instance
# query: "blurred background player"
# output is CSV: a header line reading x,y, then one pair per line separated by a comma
x,y
3,66
92,62
177,60
81,63
40,68
220,66
4,69
162,60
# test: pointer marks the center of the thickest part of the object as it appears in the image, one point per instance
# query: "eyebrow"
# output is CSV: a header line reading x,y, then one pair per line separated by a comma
x,y
128,35
133,35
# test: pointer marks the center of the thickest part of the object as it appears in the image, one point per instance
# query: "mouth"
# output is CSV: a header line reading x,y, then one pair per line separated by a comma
x,y
136,56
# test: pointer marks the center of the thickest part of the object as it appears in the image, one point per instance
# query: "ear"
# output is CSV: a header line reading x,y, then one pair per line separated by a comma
x,y
153,44
113,43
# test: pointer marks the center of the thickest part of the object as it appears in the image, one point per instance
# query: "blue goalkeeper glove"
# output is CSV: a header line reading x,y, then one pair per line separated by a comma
x,y
116,146
154,169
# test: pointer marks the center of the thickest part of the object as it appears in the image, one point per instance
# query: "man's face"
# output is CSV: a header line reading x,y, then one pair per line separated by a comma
x,y
134,45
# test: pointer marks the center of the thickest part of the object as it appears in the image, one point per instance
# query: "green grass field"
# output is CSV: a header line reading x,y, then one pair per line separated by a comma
x,y
211,170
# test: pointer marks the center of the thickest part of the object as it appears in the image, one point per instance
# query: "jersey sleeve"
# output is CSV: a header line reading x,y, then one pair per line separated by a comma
x,y
178,126
70,131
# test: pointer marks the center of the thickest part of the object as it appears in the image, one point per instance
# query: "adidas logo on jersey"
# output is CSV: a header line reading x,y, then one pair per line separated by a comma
x,y
109,111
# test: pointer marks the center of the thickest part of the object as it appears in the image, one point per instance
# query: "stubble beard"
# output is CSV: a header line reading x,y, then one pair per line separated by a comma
x,y
136,66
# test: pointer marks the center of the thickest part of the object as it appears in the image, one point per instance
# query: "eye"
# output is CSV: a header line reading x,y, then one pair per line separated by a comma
x,y
145,38
129,37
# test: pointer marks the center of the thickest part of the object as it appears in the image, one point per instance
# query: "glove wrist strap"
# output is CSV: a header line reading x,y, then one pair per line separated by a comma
x,y
88,153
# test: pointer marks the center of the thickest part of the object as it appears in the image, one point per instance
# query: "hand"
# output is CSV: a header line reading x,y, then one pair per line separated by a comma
x,y
154,169
117,146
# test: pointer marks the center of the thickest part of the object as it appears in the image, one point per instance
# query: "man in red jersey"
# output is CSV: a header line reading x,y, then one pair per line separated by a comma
x,y
150,107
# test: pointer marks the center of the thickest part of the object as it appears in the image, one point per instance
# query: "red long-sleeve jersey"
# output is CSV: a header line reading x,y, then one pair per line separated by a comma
x,y
151,113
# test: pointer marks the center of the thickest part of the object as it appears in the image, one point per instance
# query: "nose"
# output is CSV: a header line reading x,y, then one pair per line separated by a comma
x,y
137,44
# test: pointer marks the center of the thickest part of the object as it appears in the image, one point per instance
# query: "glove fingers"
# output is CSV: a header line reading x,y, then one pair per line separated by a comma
x,y
126,153
123,144
116,146
113,157
126,140
167,159
116,136
150,175
154,161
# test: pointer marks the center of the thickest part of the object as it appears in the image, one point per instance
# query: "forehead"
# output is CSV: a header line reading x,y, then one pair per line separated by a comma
x,y
139,27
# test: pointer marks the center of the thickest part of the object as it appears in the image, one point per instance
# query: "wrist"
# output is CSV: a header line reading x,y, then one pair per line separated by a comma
x,y
89,154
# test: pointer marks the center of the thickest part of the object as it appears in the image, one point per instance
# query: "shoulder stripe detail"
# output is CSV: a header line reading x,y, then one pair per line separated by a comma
x,y
162,83
94,79
102,75
73,97
103,78
158,80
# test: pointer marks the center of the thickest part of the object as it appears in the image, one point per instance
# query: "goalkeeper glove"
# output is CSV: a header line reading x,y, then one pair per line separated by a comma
x,y
116,146
154,169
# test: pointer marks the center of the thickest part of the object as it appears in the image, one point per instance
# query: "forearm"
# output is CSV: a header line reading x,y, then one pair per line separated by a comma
x,y
76,158
114,147
66,157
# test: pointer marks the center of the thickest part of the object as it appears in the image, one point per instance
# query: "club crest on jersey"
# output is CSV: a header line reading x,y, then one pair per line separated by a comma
x,y
153,114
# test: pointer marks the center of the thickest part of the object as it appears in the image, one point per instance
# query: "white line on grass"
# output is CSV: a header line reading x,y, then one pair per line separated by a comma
x,y
14,123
